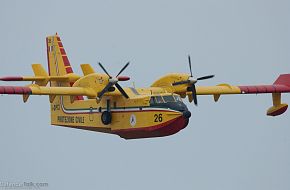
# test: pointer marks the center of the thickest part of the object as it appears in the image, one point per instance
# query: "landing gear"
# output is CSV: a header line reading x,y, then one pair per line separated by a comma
x,y
107,115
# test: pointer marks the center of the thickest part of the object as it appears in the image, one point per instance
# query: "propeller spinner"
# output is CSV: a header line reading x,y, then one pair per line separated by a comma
x,y
113,81
192,82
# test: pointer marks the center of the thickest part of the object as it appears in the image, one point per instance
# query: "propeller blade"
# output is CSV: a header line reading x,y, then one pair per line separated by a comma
x,y
194,96
122,90
205,77
189,62
127,64
104,70
100,94
181,82
190,98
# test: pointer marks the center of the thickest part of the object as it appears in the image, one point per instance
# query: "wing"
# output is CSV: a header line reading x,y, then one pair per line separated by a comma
x,y
34,89
39,90
181,84
177,83
276,89
251,89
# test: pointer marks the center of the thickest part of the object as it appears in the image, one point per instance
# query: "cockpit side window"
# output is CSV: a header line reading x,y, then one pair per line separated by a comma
x,y
168,99
177,98
152,100
159,99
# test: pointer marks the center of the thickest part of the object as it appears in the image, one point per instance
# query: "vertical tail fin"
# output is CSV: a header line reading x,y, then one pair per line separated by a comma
x,y
58,62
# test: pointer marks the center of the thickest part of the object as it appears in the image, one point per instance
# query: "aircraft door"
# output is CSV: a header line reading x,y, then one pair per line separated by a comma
x,y
91,117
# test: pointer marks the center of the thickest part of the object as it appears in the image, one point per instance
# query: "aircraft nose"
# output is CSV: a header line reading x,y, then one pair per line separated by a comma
x,y
186,114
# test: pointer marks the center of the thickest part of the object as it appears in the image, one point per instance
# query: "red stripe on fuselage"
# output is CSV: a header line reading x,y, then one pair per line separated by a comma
x,y
123,111
165,129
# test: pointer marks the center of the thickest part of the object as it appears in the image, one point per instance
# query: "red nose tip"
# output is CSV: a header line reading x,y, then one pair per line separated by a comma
x,y
123,78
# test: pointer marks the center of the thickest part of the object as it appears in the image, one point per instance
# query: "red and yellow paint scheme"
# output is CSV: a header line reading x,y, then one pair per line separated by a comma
x,y
97,102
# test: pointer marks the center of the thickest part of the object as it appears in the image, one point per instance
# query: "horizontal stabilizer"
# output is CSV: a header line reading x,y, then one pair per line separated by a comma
x,y
39,70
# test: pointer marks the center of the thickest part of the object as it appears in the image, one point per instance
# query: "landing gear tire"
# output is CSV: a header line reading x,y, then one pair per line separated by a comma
x,y
106,117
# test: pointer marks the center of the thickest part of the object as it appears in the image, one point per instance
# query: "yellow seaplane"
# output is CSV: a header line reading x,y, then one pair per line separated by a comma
x,y
97,102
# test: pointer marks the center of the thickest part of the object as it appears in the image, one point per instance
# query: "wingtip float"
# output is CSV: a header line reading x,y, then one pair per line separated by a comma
x,y
131,113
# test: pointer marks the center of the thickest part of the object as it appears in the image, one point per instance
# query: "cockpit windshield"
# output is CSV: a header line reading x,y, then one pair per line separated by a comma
x,y
165,99
168,98
177,98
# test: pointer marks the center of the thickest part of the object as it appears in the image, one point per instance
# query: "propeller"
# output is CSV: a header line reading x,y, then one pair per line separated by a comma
x,y
113,81
191,81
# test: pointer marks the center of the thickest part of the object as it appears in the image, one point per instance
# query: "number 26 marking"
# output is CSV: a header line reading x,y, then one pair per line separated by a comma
x,y
158,118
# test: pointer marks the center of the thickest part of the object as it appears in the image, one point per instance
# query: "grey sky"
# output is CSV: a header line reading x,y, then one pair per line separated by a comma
x,y
228,145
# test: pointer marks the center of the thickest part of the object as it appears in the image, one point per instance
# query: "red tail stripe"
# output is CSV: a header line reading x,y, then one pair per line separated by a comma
x,y
47,54
69,70
65,61
62,51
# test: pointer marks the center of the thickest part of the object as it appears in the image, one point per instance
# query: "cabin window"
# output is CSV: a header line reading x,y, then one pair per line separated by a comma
x,y
168,99
159,99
